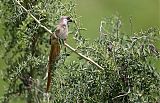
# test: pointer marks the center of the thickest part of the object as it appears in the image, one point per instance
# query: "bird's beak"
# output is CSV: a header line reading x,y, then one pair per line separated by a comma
x,y
70,19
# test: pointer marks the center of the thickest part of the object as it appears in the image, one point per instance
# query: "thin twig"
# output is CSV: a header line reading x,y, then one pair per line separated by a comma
x,y
122,94
67,45
81,55
35,19
131,24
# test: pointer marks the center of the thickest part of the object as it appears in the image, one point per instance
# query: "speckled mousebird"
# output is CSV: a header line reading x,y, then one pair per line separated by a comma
x,y
61,32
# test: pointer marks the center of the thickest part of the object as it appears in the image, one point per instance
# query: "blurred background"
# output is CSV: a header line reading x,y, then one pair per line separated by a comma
x,y
144,13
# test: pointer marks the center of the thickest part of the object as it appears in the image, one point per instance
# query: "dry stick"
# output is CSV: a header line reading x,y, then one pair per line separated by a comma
x,y
129,90
36,19
122,94
81,55
67,45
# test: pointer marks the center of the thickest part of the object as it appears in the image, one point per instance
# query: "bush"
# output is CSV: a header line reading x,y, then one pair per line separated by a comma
x,y
128,76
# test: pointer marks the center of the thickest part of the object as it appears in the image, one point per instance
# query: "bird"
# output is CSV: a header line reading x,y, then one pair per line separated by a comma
x,y
61,33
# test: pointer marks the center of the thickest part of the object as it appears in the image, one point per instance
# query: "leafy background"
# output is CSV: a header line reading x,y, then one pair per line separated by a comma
x,y
144,13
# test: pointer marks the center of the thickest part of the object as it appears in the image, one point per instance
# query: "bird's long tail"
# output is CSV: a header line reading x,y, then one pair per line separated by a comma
x,y
54,53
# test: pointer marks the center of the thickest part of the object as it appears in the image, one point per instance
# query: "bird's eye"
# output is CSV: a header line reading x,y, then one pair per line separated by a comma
x,y
65,20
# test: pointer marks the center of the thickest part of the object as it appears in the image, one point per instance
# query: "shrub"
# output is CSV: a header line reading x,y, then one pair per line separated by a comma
x,y
128,76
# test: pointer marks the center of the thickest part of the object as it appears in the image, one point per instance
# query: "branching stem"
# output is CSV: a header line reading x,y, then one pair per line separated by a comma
x,y
67,45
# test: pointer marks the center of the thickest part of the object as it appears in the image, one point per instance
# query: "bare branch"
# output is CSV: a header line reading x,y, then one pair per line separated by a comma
x,y
122,94
35,19
81,55
67,45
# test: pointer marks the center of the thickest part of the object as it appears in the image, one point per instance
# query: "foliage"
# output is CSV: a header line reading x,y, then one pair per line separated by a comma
x,y
27,44
129,74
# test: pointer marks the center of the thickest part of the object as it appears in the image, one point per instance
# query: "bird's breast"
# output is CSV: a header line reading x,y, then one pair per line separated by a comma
x,y
64,33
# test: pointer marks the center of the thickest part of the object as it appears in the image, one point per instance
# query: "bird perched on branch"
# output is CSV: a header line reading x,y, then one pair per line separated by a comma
x,y
61,32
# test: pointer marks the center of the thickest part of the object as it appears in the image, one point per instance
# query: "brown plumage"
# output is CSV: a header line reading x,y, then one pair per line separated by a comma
x,y
54,53
61,32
